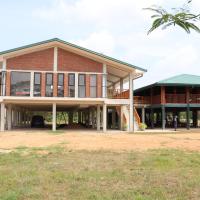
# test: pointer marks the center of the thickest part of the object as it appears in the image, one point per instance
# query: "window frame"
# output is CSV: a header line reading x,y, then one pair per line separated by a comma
x,y
49,73
91,86
36,84
82,86
58,85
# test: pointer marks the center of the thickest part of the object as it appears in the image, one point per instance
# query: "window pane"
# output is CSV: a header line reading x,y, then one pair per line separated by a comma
x,y
49,79
49,85
81,91
60,79
81,79
93,80
37,78
93,92
71,91
71,79
20,83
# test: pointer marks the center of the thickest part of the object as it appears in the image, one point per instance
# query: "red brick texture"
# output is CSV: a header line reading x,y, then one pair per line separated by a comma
x,y
40,60
55,84
68,61
43,85
8,86
87,85
65,85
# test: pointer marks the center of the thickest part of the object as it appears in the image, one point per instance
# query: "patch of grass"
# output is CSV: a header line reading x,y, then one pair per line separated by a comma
x,y
64,174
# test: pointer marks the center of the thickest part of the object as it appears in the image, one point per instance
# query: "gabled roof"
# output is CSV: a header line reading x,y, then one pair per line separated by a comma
x,y
183,79
75,46
179,80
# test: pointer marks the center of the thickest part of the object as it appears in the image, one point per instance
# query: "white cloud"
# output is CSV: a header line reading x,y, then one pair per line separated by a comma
x,y
102,42
118,28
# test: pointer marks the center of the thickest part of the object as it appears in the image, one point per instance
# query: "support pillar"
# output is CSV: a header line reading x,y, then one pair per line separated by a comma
x,y
188,117
163,117
54,117
98,118
104,117
2,117
143,115
9,118
131,117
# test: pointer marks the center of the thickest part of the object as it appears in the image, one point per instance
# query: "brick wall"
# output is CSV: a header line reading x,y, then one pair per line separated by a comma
x,y
68,61
43,85
40,60
99,85
65,85
55,84
87,85
8,86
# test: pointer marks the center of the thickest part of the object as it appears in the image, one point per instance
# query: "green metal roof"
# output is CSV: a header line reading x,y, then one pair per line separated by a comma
x,y
183,79
179,80
75,46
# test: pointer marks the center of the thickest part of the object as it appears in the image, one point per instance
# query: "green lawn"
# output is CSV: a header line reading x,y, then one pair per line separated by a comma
x,y
56,173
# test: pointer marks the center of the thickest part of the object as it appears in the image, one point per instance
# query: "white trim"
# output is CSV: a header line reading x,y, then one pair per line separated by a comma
x,y
104,117
2,116
104,92
4,64
41,71
76,85
131,117
54,117
32,84
55,59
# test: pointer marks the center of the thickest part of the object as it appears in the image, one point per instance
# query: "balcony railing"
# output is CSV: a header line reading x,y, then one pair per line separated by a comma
x,y
117,94
175,98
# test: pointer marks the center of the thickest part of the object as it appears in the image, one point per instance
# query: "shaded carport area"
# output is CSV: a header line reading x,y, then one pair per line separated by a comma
x,y
58,114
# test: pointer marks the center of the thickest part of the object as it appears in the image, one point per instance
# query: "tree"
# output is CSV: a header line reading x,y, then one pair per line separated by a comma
x,y
182,18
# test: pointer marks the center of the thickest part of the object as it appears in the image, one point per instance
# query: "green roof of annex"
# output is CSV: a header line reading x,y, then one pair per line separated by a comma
x,y
75,46
179,80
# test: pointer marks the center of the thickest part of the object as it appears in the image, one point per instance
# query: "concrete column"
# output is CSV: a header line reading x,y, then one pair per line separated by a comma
x,y
104,117
143,115
98,118
54,117
188,117
131,117
9,118
93,118
163,117
2,116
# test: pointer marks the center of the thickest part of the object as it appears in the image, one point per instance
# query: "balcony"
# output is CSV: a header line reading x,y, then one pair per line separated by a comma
x,y
117,94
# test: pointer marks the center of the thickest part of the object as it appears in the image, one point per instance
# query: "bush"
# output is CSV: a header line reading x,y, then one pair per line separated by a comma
x,y
142,126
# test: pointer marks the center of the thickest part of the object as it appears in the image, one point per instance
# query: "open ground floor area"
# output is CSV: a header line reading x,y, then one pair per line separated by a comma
x,y
170,116
66,115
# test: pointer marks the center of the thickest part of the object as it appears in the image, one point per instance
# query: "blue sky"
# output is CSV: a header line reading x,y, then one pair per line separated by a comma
x,y
116,27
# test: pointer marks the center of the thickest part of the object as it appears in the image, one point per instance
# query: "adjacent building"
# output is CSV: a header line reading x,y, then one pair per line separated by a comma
x,y
177,97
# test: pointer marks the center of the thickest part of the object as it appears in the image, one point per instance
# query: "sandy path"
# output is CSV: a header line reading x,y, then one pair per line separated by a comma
x,y
96,141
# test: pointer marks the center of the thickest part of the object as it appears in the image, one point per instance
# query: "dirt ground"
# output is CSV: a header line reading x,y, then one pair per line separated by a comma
x,y
115,141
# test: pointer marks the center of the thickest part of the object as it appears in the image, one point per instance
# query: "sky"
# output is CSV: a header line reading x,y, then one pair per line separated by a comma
x,y
117,28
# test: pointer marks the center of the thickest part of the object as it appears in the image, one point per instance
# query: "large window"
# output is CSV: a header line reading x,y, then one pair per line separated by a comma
x,y
93,85
49,85
37,84
2,82
81,85
60,85
104,86
71,85
20,83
